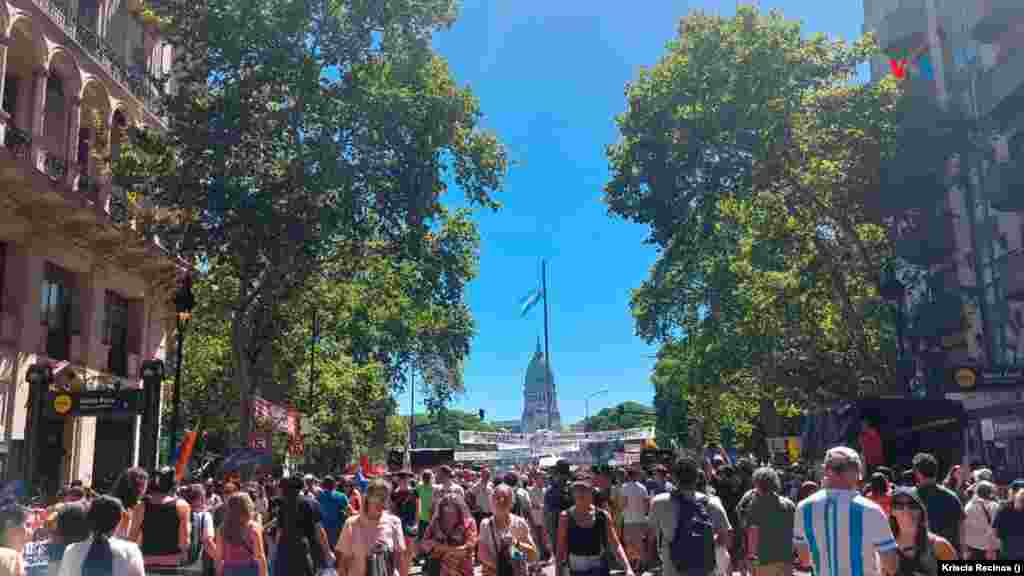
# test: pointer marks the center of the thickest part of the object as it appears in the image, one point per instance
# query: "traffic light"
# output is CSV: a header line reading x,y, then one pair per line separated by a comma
x,y
482,413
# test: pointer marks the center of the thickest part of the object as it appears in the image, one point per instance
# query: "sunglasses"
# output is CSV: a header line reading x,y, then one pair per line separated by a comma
x,y
905,505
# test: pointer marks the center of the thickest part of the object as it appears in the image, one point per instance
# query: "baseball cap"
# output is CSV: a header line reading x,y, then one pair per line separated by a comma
x,y
842,455
309,478
1017,484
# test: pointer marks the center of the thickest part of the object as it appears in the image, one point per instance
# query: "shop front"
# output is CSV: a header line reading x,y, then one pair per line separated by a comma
x,y
994,402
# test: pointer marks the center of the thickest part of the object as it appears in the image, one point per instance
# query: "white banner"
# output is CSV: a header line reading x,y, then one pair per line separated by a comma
x,y
516,455
541,440
474,437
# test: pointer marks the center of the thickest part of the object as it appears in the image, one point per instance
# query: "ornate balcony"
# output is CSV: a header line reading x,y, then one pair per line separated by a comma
x,y
995,17
138,82
1004,186
118,208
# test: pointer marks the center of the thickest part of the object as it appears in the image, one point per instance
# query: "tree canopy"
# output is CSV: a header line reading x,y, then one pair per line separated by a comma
x,y
308,148
750,154
622,416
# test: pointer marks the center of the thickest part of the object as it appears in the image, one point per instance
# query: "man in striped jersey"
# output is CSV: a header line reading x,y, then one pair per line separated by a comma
x,y
840,530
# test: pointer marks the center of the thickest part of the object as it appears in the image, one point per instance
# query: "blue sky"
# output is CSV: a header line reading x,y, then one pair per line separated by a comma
x,y
550,78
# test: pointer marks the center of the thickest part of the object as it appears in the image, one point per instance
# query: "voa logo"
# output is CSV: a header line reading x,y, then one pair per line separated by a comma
x,y
903,62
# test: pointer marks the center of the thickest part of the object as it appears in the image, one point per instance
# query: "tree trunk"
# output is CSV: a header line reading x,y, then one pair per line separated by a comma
x,y
243,374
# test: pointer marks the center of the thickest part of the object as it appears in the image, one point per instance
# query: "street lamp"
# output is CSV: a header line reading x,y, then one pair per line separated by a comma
x,y
184,301
586,407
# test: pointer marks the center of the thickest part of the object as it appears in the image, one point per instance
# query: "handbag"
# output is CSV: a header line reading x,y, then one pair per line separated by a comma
x,y
506,564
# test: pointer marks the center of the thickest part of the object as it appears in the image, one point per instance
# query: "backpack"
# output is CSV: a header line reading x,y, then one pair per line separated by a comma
x,y
693,546
195,548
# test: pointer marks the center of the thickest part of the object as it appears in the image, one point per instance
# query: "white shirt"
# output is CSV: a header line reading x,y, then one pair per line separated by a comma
x,y
127,558
843,530
634,511
978,533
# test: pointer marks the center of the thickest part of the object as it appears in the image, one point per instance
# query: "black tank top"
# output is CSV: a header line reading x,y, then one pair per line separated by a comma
x,y
160,529
587,541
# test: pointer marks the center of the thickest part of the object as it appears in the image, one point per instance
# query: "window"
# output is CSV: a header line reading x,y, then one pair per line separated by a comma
x,y
59,312
10,103
115,333
3,268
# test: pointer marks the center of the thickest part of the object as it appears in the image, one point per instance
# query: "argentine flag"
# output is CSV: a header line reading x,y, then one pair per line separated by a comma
x,y
528,301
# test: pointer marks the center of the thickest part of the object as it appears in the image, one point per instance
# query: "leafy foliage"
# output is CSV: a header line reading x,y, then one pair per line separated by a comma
x,y
623,416
750,156
308,146
440,429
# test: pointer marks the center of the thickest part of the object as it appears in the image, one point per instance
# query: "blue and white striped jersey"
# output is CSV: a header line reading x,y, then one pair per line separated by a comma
x,y
843,531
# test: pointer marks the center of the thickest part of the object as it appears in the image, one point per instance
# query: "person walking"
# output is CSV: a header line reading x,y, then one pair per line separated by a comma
x,y
505,537
839,514
769,527
373,543
1009,524
919,549
587,537
450,539
104,554
979,537
239,546
945,512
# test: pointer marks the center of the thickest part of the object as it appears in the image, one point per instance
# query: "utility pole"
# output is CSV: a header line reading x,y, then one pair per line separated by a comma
x,y
549,385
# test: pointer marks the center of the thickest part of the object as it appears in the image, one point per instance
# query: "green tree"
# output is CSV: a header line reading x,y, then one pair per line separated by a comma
x,y
440,429
277,169
736,153
622,416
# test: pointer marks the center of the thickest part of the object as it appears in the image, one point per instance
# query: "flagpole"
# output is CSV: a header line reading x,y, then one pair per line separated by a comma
x,y
549,390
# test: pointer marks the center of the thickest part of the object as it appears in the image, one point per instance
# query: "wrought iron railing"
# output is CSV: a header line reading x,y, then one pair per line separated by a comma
x,y
140,83
56,167
118,206
17,140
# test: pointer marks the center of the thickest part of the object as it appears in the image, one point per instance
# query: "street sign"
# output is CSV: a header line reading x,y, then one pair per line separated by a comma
x,y
96,402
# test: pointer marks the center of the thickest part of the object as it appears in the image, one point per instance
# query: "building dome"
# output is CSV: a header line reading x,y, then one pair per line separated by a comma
x,y
538,387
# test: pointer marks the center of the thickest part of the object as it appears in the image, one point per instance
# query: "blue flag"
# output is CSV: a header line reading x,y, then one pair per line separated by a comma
x,y
529,301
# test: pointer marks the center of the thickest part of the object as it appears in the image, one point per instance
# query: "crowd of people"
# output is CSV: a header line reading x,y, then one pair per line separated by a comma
x,y
718,517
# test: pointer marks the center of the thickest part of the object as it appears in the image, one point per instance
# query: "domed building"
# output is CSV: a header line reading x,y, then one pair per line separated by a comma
x,y
536,393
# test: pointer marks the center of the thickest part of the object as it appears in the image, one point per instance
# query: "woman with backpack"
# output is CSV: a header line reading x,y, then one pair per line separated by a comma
x,y
239,547
586,536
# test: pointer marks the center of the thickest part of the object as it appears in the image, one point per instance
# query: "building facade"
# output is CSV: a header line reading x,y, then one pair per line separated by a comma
x,y
83,286
539,396
956,208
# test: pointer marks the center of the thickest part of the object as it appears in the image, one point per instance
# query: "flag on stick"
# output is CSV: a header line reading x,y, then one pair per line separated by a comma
x,y
185,454
529,301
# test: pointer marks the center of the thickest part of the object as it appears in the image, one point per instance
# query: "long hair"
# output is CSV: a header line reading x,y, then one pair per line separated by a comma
x,y
130,485
436,528
104,515
240,511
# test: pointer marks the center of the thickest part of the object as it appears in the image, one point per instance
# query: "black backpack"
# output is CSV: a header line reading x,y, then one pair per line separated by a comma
x,y
693,546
